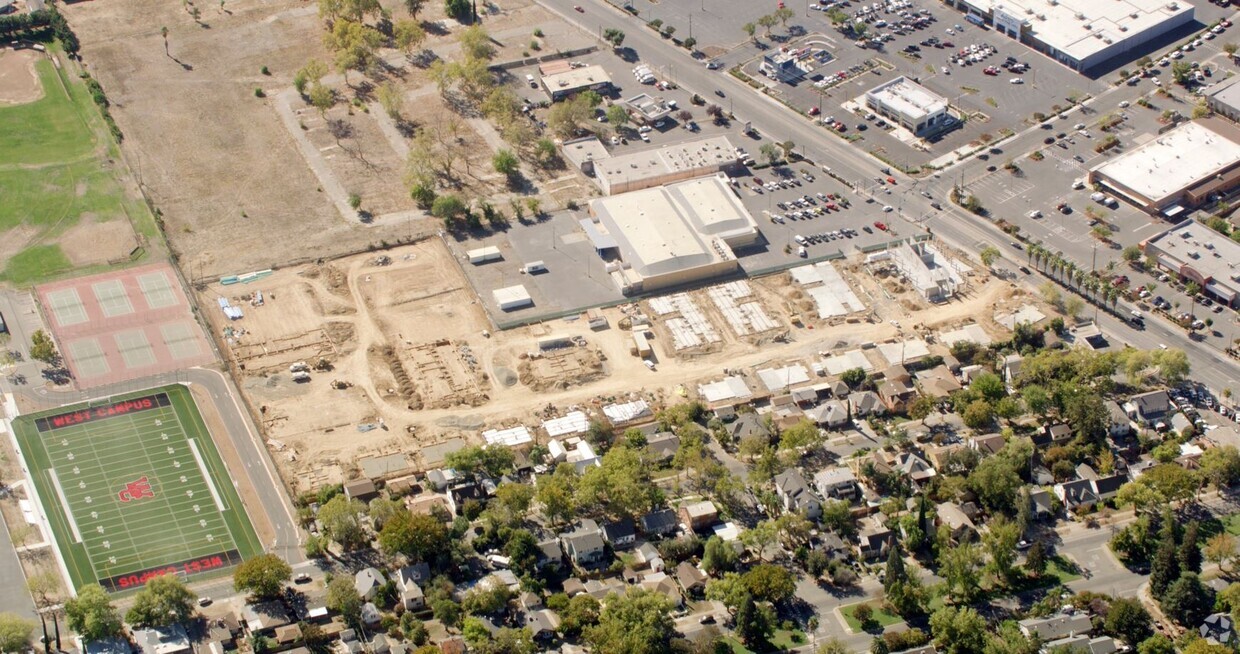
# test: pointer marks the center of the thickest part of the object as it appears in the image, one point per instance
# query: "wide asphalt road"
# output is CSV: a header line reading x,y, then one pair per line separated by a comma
x,y
774,121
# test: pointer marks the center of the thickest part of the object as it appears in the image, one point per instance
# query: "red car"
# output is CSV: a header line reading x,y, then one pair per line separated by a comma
x,y
991,70
813,111
891,180
881,225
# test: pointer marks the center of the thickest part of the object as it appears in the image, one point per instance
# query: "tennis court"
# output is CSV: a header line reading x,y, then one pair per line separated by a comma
x,y
134,487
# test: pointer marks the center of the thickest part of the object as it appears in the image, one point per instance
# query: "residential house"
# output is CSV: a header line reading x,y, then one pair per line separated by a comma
x,y
659,522
265,617
172,639
908,465
928,648
833,546
1042,503
1011,367
938,382
367,582
874,540
1148,409
866,403
961,526
691,578
987,444
1118,423
287,635
647,555
748,425
1217,629
896,394
428,504
1059,625
584,545
550,556
839,389
409,580
663,445
542,624
662,583
361,489
1058,433
795,494
836,483
371,615
1083,644
699,515
460,494
620,534
832,414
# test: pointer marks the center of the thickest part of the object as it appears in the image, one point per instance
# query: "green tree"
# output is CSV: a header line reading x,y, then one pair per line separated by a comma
x,y
719,556
767,22
798,436
310,74
837,516
959,567
1187,601
1036,559
1220,466
14,632
163,601
989,255
979,414
476,43
458,9
638,622
1220,550
1165,568
613,36
853,377
959,630
618,116
262,576
91,614
42,348
1156,644
391,100
355,45
996,482
770,583
1190,549
342,598
582,612
414,7
751,624
621,485
1000,542
750,30
1181,71
322,98
341,519
448,207
408,35
419,537
555,492
1128,620
506,163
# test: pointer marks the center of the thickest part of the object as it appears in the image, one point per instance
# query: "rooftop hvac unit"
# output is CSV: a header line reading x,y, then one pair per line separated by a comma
x,y
1123,28
1080,16
1029,10
1108,41
1134,15
1173,6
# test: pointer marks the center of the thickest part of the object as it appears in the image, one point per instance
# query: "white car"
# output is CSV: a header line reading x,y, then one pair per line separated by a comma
x,y
1035,214
1155,81
1177,55
887,208
800,239
1123,105
1017,80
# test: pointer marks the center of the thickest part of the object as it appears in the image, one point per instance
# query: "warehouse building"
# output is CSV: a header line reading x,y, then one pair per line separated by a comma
x,y
665,165
916,108
1178,171
561,79
671,235
1224,99
1200,254
1081,34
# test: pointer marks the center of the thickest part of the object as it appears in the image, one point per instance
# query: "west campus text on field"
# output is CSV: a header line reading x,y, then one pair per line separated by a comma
x,y
132,487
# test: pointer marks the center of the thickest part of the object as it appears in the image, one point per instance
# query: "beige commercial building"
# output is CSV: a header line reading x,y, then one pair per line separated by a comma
x,y
671,235
1177,171
1196,252
665,165
561,79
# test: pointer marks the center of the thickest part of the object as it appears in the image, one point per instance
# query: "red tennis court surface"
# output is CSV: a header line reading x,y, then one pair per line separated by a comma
x,y
123,325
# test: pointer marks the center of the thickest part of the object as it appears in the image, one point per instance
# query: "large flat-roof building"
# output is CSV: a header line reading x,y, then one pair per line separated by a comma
x,y
1203,255
664,165
915,107
561,79
673,235
646,109
1178,170
1081,34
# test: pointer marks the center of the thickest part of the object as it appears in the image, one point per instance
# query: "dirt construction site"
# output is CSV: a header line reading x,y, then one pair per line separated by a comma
x,y
390,351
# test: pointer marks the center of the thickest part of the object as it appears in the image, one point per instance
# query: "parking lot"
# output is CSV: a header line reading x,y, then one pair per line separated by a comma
x,y
994,83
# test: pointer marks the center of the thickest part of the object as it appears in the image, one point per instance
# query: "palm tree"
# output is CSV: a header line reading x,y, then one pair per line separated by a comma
x,y
1069,272
1114,297
1192,289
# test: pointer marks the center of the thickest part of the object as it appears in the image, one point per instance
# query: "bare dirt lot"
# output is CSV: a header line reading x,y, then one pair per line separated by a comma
x,y
408,360
19,83
249,180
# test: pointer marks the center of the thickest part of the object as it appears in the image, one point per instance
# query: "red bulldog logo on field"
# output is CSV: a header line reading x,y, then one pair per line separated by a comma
x,y
136,490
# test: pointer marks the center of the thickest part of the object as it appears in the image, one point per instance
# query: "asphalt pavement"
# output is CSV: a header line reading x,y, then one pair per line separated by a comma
x,y
774,121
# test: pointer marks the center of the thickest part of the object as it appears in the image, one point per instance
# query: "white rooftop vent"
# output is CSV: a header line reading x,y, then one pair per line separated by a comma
x,y
1123,28
1173,6
1108,40
1080,16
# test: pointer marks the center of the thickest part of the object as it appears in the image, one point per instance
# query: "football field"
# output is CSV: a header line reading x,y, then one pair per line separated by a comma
x,y
133,487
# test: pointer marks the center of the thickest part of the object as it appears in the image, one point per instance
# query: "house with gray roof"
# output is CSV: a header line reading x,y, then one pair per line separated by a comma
x,y
796,496
1059,625
367,582
584,545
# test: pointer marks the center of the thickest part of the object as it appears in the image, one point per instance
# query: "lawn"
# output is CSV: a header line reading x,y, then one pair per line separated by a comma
x,y
57,164
781,641
880,617
54,129
1231,524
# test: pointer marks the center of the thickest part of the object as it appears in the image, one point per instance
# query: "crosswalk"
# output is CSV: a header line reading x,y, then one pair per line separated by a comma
x,y
1002,186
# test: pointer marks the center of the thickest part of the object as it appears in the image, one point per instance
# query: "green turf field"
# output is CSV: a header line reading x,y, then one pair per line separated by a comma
x,y
133,486
53,170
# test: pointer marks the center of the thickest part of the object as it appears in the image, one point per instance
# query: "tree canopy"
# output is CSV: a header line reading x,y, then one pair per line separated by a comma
x,y
263,576
638,622
92,615
162,602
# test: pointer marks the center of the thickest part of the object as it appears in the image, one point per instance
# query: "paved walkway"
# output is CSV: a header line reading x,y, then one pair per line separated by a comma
x,y
14,599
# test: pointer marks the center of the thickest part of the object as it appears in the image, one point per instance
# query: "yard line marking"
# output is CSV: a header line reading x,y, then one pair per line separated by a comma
x,y
77,536
202,465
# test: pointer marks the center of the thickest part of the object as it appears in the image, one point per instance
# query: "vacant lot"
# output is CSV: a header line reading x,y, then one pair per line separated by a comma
x,y
65,205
